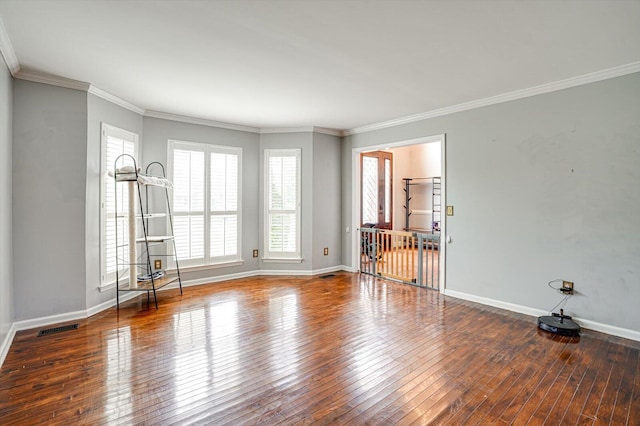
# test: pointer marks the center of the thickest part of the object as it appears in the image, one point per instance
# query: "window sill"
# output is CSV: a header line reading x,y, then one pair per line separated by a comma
x,y
282,260
195,268
109,286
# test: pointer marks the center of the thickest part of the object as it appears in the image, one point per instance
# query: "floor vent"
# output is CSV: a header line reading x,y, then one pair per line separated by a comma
x,y
54,330
327,276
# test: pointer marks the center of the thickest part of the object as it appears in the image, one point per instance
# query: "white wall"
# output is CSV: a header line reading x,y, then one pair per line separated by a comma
x,y
49,199
99,111
6,255
544,187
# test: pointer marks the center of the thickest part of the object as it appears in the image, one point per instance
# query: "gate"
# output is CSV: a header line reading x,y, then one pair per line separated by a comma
x,y
409,257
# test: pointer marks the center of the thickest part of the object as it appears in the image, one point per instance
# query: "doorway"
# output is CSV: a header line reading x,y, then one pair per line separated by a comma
x,y
409,159
376,201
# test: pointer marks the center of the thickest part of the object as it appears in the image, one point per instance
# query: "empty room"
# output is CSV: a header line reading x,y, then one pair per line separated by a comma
x,y
289,212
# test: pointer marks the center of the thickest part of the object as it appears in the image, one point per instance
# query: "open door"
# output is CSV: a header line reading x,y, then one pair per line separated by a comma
x,y
376,203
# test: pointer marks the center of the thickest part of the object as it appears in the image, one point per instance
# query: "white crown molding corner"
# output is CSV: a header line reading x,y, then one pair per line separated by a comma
x,y
115,100
505,97
272,130
584,323
303,129
330,132
6,344
6,48
53,80
200,121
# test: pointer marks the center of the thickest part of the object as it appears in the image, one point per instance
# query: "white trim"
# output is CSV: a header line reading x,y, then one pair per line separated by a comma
x,y
281,260
346,268
442,246
355,196
280,256
106,131
111,303
588,324
208,149
210,266
9,55
200,121
505,97
52,319
6,344
327,131
307,129
114,99
53,80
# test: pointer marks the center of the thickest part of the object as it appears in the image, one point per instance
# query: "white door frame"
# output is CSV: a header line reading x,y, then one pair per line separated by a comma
x,y
355,197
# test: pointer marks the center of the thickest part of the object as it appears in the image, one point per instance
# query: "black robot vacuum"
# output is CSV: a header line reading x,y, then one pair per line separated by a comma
x,y
559,324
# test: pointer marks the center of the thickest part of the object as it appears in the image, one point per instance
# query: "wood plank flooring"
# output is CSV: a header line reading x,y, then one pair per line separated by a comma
x,y
349,349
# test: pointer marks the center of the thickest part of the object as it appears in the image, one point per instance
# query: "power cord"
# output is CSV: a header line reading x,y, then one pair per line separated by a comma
x,y
559,290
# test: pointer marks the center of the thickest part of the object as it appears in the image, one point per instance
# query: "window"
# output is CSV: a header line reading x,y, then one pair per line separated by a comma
x,y
376,203
114,142
206,202
282,204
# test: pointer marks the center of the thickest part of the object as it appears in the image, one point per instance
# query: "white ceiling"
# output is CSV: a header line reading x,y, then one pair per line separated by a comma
x,y
335,64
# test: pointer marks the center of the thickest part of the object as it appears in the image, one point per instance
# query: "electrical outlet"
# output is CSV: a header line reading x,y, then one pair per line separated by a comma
x,y
157,264
449,210
255,252
326,251
567,287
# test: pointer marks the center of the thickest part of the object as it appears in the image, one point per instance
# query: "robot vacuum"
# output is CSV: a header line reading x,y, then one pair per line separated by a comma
x,y
559,324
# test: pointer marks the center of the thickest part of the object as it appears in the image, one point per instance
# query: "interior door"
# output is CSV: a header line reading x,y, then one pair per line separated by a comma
x,y
376,204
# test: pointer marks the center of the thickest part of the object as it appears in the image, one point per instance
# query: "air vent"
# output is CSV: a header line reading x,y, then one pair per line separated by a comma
x,y
327,276
54,330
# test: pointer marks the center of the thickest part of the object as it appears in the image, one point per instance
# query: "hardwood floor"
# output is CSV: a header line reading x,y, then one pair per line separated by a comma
x,y
348,349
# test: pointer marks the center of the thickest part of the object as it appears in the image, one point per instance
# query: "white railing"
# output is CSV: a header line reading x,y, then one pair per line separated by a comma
x,y
409,257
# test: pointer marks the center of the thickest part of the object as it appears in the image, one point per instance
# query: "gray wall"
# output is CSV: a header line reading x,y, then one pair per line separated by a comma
x,y
326,201
49,190
157,132
99,111
304,141
6,275
544,187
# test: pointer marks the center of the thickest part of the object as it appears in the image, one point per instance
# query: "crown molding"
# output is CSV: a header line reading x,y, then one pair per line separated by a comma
x,y
6,48
327,131
115,100
53,80
200,121
304,129
505,97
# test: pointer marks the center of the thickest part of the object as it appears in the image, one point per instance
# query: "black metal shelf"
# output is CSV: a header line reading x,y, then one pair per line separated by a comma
x,y
132,174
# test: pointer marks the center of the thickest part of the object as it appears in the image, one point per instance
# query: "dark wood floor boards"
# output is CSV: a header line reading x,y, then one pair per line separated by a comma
x,y
423,398
633,417
339,381
298,350
425,361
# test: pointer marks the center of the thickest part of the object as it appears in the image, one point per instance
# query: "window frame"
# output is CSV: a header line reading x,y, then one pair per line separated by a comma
x,y
107,278
208,261
282,256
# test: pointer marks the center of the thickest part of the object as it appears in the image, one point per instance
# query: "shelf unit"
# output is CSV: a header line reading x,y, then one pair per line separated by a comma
x,y
139,266
436,202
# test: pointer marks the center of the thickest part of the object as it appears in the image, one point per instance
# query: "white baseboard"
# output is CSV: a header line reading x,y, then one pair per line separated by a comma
x,y
584,323
110,303
6,344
